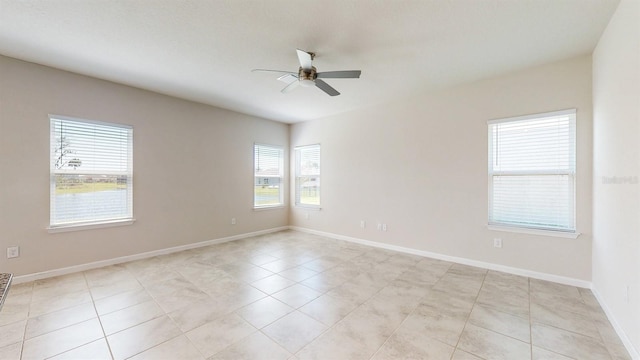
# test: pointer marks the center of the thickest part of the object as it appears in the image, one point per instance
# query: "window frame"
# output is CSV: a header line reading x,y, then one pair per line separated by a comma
x,y
571,172
297,176
281,187
85,224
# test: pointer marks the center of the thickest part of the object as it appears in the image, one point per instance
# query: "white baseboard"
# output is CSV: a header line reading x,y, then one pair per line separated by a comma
x,y
507,269
459,260
123,259
621,334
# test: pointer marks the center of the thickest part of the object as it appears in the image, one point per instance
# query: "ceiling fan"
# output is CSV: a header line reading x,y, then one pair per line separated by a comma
x,y
307,75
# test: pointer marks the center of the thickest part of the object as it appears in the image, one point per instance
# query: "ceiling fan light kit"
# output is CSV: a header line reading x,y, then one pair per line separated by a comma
x,y
307,76
307,82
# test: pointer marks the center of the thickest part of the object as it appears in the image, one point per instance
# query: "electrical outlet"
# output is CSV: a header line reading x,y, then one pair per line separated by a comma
x,y
233,221
384,227
379,226
363,224
13,252
497,242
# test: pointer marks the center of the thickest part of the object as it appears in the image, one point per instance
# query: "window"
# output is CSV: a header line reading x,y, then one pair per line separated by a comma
x,y
308,175
267,165
532,167
90,172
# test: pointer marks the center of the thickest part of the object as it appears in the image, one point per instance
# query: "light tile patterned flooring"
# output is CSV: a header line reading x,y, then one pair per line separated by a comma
x,y
293,295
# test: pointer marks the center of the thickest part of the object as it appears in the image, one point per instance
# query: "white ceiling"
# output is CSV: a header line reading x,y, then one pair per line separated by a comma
x,y
204,50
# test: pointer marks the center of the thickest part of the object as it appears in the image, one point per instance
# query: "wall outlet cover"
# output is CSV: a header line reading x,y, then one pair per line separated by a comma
x,y
13,252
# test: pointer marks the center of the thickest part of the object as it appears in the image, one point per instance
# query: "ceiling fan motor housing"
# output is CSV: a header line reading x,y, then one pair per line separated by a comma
x,y
307,77
307,74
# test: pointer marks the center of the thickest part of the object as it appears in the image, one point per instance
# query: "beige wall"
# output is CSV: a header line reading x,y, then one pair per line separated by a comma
x,y
420,166
193,168
616,227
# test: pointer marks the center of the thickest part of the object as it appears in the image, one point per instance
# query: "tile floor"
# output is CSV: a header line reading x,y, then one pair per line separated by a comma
x,y
293,295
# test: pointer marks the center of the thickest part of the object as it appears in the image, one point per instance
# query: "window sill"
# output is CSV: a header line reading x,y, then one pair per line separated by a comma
x,y
89,226
308,207
513,229
271,207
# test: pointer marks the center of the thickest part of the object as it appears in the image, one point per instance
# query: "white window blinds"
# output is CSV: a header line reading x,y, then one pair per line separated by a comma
x,y
532,166
268,170
90,172
308,175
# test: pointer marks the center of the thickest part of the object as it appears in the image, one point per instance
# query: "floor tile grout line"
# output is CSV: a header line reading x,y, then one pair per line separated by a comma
x,y
144,288
287,350
183,333
193,344
569,331
97,315
26,324
282,347
60,328
152,299
530,318
570,310
475,301
393,332
97,318
346,315
336,323
591,318
396,329
156,345
271,322
531,322
588,319
405,318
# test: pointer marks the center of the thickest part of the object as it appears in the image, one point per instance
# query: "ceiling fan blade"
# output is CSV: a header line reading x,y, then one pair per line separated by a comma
x,y
290,87
288,78
326,88
277,71
346,74
305,59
